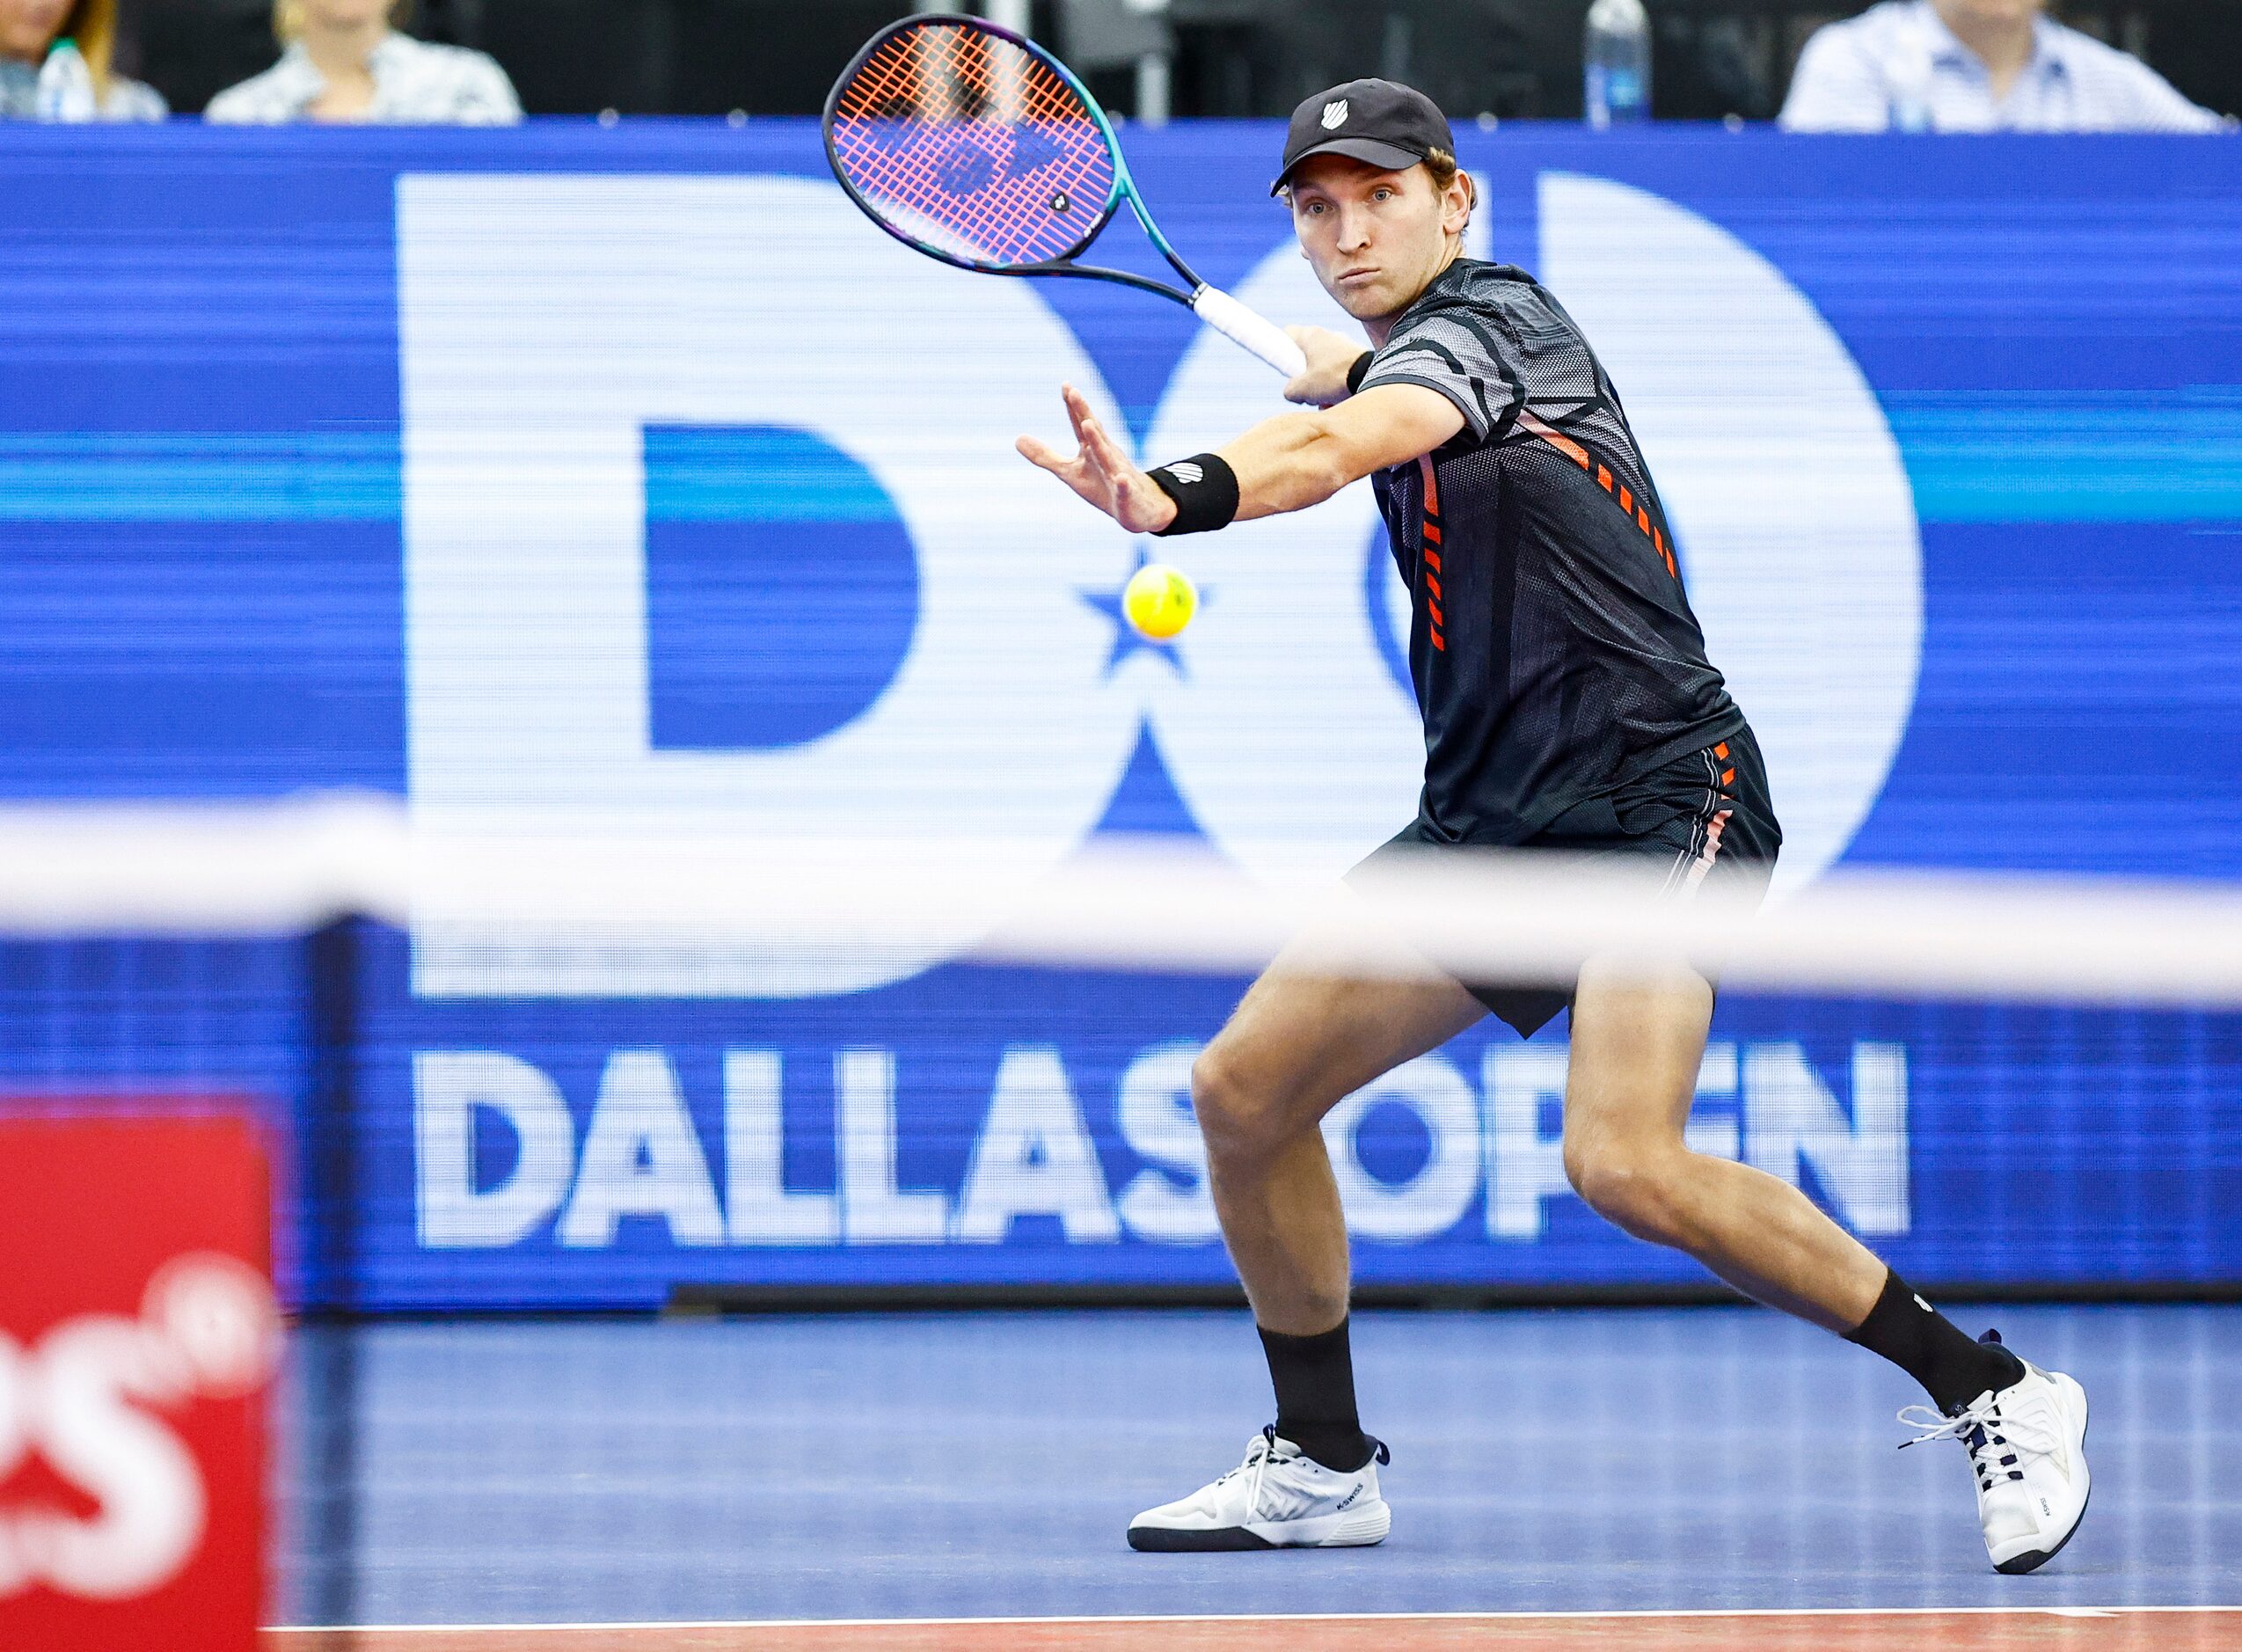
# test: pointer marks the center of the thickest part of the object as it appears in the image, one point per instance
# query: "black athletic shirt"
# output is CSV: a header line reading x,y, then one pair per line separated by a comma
x,y
1553,652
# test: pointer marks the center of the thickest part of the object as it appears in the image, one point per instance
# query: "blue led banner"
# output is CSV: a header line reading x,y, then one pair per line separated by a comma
x,y
629,470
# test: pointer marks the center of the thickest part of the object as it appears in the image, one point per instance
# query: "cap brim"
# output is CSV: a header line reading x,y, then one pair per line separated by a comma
x,y
1387,156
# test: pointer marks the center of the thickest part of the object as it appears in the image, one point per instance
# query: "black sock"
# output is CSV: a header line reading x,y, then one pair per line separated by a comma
x,y
1930,1347
1314,1377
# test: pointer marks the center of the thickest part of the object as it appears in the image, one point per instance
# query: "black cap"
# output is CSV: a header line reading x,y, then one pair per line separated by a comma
x,y
1379,122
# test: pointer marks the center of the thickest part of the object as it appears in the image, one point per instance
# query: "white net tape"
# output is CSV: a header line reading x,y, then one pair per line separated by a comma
x,y
1121,903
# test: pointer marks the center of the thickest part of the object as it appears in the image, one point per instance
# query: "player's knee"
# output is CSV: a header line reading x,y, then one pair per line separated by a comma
x,y
1631,1185
1239,1111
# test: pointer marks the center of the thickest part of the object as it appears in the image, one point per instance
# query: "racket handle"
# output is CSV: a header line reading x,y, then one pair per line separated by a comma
x,y
1235,322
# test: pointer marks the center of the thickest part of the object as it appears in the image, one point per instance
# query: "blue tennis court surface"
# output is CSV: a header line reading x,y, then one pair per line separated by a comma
x,y
984,1466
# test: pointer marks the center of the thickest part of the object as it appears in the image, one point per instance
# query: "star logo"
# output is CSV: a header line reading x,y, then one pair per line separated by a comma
x,y
1334,114
1127,641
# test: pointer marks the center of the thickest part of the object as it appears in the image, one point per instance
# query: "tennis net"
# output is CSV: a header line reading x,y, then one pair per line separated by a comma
x,y
549,1074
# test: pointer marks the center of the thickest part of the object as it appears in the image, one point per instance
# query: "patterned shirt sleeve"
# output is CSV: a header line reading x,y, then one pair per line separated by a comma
x,y
1456,355
1836,86
486,95
2152,104
133,100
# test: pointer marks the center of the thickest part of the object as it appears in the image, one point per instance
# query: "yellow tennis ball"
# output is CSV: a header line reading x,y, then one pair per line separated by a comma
x,y
1160,600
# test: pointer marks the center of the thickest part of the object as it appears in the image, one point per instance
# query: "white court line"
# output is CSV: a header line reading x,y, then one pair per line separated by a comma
x,y
1244,1618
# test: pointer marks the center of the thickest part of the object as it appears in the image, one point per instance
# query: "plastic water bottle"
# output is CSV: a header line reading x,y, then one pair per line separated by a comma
x,y
1617,52
66,85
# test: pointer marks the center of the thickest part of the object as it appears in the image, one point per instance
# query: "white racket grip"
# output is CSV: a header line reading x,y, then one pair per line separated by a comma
x,y
1235,322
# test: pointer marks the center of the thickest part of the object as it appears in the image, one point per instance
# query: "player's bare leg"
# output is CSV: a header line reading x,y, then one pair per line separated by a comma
x,y
1305,1037
1638,1037
1301,1040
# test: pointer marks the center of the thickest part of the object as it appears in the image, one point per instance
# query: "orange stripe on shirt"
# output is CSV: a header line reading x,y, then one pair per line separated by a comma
x,y
1564,444
1604,479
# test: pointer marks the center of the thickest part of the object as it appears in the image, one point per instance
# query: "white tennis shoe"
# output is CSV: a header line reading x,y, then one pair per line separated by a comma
x,y
2028,1449
1276,1499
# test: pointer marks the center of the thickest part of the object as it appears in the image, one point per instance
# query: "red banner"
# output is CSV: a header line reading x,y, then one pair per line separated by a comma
x,y
138,1334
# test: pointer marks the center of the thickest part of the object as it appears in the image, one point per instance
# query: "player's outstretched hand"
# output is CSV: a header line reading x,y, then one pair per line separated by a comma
x,y
1323,382
1101,473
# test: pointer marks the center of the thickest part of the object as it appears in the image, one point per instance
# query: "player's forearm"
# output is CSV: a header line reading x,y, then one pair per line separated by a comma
x,y
1289,463
1296,460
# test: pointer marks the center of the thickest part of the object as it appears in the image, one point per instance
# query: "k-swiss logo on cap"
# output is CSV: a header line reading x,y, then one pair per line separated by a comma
x,y
1186,472
1334,114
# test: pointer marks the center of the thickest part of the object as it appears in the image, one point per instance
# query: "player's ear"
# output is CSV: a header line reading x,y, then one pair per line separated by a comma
x,y
1470,191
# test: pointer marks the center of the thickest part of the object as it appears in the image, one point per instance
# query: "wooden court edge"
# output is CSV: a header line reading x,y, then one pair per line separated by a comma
x,y
1840,1629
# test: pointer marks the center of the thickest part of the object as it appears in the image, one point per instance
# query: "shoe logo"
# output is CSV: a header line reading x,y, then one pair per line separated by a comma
x,y
1189,474
1349,1498
1334,114
2046,1513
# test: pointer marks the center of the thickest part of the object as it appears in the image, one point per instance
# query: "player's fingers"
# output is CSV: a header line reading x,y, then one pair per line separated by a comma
x,y
1108,452
1074,472
1077,409
1039,454
1091,457
1100,462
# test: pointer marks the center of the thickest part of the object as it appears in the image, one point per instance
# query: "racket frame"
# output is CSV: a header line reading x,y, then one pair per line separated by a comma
x,y
1124,186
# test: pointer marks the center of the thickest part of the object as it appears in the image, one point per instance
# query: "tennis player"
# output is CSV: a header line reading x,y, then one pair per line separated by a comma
x,y
1568,704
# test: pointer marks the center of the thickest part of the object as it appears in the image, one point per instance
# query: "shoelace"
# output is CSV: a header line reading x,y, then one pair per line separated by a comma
x,y
1256,1459
1262,1452
1983,1431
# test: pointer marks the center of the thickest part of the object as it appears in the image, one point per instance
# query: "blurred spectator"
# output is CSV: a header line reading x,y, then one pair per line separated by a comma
x,y
28,32
1976,66
345,62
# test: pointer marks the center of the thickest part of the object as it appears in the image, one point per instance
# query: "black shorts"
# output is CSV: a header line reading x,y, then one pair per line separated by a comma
x,y
1707,815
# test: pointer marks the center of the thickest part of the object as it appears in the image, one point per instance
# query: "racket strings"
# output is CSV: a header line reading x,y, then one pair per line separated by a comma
x,y
971,141
953,89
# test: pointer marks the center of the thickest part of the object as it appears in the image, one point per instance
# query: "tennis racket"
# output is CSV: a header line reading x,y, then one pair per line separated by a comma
x,y
979,148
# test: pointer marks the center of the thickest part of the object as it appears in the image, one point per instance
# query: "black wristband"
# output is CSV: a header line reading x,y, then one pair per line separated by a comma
x,y
1360,371
1205,490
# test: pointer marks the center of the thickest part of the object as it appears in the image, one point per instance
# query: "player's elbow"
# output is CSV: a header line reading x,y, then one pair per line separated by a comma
x,y
1328,463
1328,480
